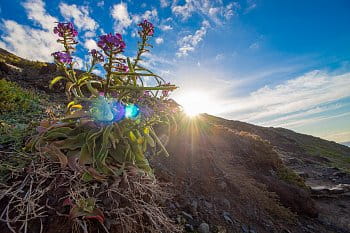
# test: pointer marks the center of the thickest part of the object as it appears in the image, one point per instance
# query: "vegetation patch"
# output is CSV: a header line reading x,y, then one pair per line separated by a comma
x,y
20,110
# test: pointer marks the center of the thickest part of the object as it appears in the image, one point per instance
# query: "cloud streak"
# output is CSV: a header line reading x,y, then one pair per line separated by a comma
x,y
296,103
189,43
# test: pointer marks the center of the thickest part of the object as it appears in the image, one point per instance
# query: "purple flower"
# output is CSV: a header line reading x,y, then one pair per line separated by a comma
x,y
65,29
147,93
97,56
165,93
123,68
111,43
147,28
62,57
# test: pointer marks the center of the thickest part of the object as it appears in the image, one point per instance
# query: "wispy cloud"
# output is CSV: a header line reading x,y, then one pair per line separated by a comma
x,y
251,5
305,93
159,40
189,43
164,3
339,136
165,27
214,11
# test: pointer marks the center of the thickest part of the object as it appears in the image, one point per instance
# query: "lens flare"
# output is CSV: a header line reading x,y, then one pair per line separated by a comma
x,y
132,111
107,110
118,110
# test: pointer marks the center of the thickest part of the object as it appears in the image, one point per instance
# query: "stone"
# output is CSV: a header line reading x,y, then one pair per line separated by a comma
x,y
226,203
227,217
208,205
189,227
245,228
203,228
223,185
187,216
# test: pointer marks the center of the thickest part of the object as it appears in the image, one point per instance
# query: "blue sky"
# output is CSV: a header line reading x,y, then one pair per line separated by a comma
x,y
271,63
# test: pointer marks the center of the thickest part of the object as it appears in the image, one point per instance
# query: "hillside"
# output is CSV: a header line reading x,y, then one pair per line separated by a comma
x,y
223,175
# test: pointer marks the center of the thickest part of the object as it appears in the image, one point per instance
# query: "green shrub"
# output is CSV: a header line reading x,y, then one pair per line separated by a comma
x,y
19,110
291,177
15,99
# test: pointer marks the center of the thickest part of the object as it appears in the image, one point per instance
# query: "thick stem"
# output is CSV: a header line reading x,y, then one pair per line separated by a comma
x,y
144,88
139,53
109,71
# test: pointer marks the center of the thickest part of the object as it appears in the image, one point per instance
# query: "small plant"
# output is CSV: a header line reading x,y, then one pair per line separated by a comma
x,y
109,122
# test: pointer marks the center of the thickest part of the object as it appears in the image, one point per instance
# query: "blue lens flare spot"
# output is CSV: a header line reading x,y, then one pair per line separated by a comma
x,y
132,111
107,110
118,110
101,110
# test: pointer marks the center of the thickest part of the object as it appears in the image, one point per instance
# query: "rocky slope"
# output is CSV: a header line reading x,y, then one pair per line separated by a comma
x,y
230,176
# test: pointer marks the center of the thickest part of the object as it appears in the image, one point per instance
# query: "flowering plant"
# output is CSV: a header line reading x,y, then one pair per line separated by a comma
x,y
109,121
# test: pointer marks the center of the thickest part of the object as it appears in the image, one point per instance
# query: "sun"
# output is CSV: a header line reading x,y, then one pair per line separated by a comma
x,y
194,103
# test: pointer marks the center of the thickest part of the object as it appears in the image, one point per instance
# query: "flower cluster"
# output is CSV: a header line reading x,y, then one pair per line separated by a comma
x,y
165,93
67,32
122,68
111,43
147,28
65,29
62,57
97,56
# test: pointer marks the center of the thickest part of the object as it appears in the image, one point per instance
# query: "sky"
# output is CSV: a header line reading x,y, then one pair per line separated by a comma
x,y
271,63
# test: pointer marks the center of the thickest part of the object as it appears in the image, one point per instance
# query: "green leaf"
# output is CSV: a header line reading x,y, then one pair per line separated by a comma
x,y
73,142
159,143
131,68
85,156
55,80
87,177
150,140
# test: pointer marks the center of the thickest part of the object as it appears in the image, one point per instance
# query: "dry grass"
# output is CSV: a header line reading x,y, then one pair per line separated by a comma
x,y
128,203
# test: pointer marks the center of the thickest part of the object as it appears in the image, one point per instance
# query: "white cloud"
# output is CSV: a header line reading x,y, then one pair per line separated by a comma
x,y
165,27
79,15
79,63
219,57
251,5
228,11
302,94
159,40
120,13
185,11
35,10
189,43
90,44
89,34
254,45
150,15
27,42
338,137
164,3
214,11
100,3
